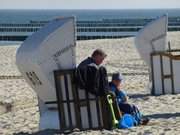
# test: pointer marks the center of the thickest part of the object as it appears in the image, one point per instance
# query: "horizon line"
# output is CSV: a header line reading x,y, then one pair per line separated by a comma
x,y
86,9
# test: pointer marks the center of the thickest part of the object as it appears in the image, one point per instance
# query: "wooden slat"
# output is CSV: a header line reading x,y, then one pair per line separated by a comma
x,y
167,76
68,103
172,76
162,73
88,109
98,112
77,104
152,75
60,105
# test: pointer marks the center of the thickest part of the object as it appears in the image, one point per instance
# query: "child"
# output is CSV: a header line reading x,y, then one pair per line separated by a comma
x,y
122,99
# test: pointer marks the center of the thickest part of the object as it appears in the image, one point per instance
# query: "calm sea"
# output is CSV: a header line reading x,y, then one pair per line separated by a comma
x,y
24,16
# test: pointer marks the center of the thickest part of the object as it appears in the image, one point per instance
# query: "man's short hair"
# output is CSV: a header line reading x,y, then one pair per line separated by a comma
x,y
99,52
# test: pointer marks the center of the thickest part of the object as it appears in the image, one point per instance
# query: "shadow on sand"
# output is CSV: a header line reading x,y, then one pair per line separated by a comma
x,y
163,115
139,95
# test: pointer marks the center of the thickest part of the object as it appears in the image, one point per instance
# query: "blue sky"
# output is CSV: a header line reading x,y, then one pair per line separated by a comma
x,y
88,4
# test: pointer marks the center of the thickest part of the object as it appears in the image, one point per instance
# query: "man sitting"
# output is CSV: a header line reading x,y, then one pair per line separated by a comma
x,y
91,76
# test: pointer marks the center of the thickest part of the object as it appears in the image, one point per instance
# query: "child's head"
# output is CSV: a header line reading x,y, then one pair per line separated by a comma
x,y
117,79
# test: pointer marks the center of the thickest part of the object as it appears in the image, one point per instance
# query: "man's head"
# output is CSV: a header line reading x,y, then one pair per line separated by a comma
x,y
117,78
98,55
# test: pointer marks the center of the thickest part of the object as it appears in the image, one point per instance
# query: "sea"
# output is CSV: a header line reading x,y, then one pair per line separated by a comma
x,y
24,16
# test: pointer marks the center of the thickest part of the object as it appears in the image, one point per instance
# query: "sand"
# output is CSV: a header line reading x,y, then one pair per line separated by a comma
x,y
18,102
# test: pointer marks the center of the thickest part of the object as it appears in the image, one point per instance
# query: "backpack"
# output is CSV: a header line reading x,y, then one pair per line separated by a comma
x,y
130,120
127,121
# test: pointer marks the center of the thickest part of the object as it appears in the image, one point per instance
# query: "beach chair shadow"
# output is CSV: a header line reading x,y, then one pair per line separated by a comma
x,y
163,115
139,95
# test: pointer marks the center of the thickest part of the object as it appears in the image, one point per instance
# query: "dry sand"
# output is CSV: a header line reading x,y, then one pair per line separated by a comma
x,y
18,102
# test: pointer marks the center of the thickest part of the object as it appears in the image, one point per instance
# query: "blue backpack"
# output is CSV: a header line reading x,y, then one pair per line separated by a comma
x,y
130,120
127,121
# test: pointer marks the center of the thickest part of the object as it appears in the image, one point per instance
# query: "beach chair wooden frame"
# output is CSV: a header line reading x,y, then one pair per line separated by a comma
x,y
166,61
77,108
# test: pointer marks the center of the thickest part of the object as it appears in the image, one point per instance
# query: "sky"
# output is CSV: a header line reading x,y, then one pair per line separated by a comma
x,y
89,4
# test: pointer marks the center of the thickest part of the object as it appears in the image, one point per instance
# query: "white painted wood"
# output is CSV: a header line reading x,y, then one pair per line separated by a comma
x,y
51,48
152,38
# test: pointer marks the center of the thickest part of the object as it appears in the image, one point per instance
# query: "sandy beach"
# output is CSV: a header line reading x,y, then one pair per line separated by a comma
x,y
18,102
